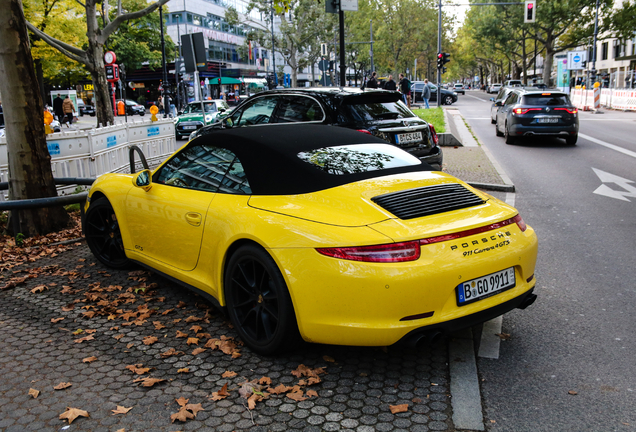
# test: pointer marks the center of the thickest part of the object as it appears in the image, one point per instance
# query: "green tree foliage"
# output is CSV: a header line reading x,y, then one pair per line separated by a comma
x,y
623,21
139,40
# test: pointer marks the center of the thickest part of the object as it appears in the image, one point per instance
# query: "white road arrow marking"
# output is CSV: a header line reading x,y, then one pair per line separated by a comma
x,y
605,177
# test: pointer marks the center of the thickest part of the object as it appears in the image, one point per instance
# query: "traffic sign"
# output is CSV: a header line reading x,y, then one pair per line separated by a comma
x,y
576,60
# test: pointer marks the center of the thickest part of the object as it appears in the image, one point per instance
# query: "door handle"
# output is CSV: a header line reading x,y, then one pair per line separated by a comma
x,y
193,218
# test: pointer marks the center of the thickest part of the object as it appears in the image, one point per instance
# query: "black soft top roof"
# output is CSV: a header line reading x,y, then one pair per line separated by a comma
x,y
269,156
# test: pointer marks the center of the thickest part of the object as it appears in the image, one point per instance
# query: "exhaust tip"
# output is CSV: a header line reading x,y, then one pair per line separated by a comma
x,y
528,301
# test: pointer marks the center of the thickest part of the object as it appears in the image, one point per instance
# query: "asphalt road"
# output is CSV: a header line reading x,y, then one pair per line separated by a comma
x,y
569,362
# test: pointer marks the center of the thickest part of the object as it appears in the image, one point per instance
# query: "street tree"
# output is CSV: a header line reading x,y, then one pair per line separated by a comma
x,y
30,174
92,57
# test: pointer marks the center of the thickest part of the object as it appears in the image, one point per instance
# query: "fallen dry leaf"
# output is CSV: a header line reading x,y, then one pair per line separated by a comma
x,y
196,328
183,370
89,359
192,341
195,408
573,392
181,334
56,320
171,352
62,385
182,415
251,402
39,289
137,368
312,393
33,392
280,388
149,340
121,410
297,396
221,394
158,325
198,351
72,413
84,339
182,401
229,374
328,359
148,382
265,381
399,408
503,336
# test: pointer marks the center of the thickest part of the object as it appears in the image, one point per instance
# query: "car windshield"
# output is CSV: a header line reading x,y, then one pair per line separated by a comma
x,y
546,99
196,107
358,158
378,111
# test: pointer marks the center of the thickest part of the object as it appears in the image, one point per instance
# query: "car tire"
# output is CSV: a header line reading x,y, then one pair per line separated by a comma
x,y
509,138
101,229
258,302
499,134
571,140
493,121
448,100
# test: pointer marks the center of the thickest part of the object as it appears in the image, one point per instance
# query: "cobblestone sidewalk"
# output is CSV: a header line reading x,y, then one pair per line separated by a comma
x,y
121,313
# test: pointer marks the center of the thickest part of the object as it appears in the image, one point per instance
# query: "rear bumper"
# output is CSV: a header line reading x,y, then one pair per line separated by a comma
x,y
534,130
430,333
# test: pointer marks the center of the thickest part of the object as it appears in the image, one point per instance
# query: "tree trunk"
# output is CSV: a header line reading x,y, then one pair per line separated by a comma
x,y
547,61
30,174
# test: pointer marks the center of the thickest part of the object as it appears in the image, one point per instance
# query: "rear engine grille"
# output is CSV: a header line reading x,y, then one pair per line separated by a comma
x,y
426,201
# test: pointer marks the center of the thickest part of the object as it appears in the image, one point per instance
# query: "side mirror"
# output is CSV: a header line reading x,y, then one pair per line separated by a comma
x,y
221,110
227,122
143,180
492,99
499,103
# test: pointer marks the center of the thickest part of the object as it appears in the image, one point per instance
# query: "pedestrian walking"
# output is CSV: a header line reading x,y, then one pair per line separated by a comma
x,y
373,82
68,108
160,105
405,88
57,108
390,84
426,93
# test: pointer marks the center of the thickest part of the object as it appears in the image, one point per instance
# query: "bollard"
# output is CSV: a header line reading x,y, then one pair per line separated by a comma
x,y
597,97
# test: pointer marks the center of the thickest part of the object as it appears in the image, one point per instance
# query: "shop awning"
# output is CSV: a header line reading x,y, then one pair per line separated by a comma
x,y
225,80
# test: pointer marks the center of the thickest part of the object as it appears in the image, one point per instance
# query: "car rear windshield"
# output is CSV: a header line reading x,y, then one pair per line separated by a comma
x,y
358,158
546,99
373,111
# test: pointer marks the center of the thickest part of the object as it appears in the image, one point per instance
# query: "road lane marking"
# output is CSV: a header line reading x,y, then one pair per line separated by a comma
x,y
608,145
605,177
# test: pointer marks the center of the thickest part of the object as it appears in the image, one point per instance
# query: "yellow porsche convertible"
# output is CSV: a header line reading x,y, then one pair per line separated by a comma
x,y
317,231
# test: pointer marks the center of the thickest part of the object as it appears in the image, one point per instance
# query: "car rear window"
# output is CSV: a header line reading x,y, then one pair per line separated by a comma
x,y
373,111
546,99
358,158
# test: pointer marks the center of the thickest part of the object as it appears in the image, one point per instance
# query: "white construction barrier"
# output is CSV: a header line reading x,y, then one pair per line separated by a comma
x,y
91,153
621,99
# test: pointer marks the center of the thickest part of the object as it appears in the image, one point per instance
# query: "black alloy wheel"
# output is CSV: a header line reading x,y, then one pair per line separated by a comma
x,y
258,301
103,237
509,139
448,100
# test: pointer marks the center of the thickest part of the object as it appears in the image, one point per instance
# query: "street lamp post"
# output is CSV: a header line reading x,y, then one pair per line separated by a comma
x,y
593,71
166,106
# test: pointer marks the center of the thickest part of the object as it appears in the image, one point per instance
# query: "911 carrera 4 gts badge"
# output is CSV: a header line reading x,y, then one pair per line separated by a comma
x,y
488,243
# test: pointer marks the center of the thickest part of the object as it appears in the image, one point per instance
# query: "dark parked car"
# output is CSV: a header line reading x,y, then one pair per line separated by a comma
x,y
133,107
448,97
375,112
497,102
85,108
529,113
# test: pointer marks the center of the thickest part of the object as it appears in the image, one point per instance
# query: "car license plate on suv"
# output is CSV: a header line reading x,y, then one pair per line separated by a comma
x,y
485,286
410,137
548,120
189,127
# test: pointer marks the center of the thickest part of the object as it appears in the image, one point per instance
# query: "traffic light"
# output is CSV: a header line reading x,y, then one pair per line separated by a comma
x,y
445,58
443,70
440,60
530,11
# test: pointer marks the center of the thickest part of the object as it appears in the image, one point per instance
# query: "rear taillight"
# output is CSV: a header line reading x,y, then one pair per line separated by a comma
x,y
394,252
364,131
433,134
520,111
409,251
569,110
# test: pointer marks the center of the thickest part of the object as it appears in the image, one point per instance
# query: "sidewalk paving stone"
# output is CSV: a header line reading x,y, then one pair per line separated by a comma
x,y
356,392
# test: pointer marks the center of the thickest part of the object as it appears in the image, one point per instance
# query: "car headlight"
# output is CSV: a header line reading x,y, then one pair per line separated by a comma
x,y
176,121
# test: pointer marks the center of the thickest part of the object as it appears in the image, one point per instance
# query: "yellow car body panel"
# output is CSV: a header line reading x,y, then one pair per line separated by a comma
x,y
336,301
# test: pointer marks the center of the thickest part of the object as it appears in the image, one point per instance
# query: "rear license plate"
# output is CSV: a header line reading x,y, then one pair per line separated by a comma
x,y
410,137
189,127
485,286
547,120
